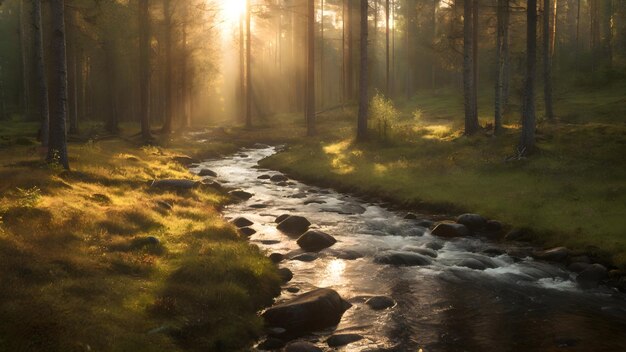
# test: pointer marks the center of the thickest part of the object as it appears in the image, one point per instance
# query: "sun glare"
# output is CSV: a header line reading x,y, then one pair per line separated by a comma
x,y
232,10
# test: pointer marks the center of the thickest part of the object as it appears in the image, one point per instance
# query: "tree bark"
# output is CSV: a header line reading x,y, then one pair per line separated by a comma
x,y
24,65
387,87
471,120
310,64
350,51
502,43
57,148
168,94
547,60
248,67
40,74
361,131
527,142
475,59
144,68
72,72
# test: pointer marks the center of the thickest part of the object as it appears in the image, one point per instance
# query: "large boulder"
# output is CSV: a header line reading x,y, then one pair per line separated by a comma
x,y
450,230
241,194
474,222
312,311
294,225
343,339
278,178
246,231
285,274
280,218
207,172
402,258
380,302
301,346
315,241
241,222
177,184
423,251
558,254
592,276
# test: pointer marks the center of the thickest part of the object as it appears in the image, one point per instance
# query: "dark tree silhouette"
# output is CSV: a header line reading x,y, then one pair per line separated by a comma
x,y
57,148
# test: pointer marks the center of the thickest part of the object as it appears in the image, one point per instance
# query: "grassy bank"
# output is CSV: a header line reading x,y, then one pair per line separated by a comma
x,y
94,259
572,192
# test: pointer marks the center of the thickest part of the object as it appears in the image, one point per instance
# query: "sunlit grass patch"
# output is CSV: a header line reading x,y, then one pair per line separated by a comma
x,y
86,253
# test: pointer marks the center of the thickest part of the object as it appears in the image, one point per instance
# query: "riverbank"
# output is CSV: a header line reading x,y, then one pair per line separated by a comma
x,y
96,259
571,193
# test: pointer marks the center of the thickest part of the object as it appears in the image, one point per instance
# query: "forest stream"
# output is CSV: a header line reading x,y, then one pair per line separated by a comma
x,y
511,303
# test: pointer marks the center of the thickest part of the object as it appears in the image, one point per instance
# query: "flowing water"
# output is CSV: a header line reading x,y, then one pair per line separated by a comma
x,y
517,305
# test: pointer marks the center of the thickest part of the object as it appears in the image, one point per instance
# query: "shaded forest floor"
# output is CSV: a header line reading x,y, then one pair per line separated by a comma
x,y
95,259
572,192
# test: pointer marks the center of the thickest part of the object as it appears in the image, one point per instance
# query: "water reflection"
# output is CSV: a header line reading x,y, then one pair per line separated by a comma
x,y
333,274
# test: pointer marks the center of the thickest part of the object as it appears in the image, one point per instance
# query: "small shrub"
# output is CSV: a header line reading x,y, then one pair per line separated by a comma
x,y
384,113
29,197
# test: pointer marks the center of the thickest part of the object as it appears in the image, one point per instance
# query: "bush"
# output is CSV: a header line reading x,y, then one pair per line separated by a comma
x,y
384,113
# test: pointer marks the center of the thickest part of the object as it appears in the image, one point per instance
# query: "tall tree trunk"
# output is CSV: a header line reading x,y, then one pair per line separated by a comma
x,y
112,124
3,107
24,64
502,43
57,148
387,14
242,68
40,74
607,37
475,59
248,66
184,75
72,71
144,68
527,142
410,47
350,51
361,131
168,94
310,64
547,60
471,120
322,68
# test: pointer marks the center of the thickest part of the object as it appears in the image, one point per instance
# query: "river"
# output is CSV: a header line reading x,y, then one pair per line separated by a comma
x,y
518,304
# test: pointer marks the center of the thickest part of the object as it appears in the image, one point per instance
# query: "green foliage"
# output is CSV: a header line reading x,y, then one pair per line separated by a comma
x,y
384,113
28,197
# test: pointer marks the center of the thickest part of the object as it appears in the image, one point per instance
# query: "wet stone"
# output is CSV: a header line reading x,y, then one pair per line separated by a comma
x,y
380,302
474,222
294,225
343,339
449,230
300,346
314,241
207,173
247,231
276,257
264,177
558,254
278,178
241,222
293,289
285,274
241,194
592,276
306,257
281,218
271,344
